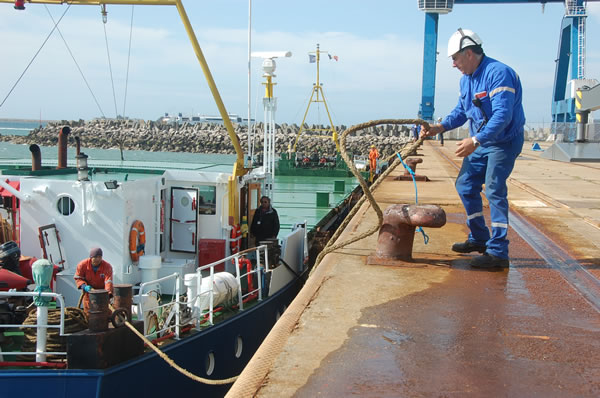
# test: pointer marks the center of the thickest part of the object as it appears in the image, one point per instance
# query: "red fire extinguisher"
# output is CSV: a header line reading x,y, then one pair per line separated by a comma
x,y
19,4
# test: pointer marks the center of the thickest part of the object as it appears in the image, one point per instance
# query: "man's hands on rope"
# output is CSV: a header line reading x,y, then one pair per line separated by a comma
x,y
464,147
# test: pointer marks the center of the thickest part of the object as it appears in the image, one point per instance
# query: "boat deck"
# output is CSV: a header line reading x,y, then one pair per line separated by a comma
x,y
436,327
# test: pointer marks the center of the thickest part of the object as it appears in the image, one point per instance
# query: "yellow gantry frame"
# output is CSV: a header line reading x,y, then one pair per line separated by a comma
x,y
317,88
238,167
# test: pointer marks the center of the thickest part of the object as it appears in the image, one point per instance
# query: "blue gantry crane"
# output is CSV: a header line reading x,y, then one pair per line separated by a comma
x,y
570,65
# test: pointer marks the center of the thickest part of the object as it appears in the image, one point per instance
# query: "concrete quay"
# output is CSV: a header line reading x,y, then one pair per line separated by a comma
x,y
436,326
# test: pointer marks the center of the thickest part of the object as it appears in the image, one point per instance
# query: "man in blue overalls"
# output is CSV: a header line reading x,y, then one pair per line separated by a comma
x,y
490,100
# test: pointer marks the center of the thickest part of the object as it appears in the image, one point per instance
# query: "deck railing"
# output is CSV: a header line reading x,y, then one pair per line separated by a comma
x,y
173,320
171,306
60,326
200,318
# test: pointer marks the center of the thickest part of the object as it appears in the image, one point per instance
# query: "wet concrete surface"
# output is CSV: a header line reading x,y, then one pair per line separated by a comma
x,y
438,328
511,332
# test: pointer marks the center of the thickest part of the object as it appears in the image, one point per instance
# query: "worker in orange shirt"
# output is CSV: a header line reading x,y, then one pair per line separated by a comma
x,y
373,156
93,273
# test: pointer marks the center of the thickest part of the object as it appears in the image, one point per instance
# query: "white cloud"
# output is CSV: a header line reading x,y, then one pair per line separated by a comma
x,y
378,74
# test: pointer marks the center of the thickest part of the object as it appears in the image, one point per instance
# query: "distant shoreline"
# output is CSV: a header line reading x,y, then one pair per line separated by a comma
x,y
26,120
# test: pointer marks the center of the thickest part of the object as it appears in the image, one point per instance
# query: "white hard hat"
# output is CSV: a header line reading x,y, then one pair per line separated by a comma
x,y
461,39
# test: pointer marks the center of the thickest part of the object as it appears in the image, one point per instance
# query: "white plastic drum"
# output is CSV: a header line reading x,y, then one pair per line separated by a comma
x,y
225,289
149,266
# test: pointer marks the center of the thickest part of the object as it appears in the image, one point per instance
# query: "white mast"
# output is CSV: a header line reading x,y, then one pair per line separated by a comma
x,y
270,107
249,148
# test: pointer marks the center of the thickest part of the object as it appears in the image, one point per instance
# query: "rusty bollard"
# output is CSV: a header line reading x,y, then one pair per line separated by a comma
x,y
412,164
123,298
397,232
99,312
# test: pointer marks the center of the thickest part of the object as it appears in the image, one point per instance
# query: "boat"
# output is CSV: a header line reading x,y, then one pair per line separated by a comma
x,y
97,205
175,235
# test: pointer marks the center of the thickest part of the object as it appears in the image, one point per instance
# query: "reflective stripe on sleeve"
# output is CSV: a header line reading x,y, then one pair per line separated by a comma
x,y
499,89
499,225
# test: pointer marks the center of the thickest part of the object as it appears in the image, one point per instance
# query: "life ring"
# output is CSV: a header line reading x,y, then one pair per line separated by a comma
x,y
137,240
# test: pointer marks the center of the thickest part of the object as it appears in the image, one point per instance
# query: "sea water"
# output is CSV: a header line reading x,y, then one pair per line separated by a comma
x,y
21,151
18,127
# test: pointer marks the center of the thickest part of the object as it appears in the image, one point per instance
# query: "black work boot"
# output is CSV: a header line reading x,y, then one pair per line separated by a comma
x,y
489,261
468,247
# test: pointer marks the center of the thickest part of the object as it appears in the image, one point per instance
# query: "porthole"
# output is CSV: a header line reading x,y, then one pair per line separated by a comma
x,y
65,205
210,363
185,201
239,345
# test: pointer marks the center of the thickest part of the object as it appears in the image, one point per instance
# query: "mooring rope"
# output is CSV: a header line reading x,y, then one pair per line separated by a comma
x,y
368,195
171,363
414,180
75,320
166,358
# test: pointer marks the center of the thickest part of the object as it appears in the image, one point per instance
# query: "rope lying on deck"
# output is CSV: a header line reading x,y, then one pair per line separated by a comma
x,y
75,321
368,195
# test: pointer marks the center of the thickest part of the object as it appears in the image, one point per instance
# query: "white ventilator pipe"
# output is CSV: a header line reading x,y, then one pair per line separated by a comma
x,y
41,338
42,275
19,195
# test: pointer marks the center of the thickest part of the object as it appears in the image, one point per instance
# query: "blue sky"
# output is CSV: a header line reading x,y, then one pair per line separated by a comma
x,y
378,75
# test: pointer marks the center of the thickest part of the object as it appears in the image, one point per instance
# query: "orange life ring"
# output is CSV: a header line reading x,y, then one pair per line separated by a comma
x,y
137,240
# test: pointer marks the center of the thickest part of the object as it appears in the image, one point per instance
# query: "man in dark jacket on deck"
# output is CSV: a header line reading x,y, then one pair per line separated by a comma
x,y
265,224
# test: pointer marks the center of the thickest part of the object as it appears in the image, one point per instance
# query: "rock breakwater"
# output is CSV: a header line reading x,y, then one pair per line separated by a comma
x,y
206,137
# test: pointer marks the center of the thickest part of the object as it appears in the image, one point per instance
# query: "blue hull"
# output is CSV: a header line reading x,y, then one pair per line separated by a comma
x,y
149,375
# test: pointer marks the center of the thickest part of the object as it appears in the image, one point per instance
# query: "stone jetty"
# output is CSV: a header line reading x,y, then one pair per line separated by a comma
x,y
207,137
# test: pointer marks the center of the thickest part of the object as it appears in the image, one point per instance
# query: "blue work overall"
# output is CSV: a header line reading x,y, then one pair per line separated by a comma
x,y
490,99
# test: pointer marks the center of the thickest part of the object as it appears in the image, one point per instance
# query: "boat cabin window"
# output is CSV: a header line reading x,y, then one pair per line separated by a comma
x,y
207,195
65,205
